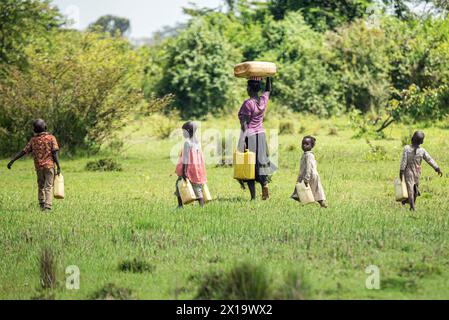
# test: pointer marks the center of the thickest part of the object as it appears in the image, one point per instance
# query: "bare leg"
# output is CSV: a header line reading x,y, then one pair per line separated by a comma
x,y
180,205
323,204
265,192
411,201
252,189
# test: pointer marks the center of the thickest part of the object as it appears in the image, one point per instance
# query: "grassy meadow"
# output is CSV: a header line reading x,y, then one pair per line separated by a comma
x,y
111,218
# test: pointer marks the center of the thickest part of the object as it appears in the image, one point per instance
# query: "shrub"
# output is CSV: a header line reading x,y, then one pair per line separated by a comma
x,y
197,71
244,282
47,265
295,287
247,281
82,84
104,165
136,266
305,81
113,292
333,131
286,128
361,58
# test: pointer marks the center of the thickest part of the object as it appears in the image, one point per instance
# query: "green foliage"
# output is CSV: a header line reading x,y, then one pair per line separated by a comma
x,y
247,281
286,128
47,264
112,292
104,165
360,56
244,282
197,70
115,26
136,266
424,104
20,22
84,85
305,81
321,15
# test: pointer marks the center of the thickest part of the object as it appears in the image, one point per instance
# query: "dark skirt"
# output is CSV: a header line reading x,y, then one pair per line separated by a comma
x,y
264,167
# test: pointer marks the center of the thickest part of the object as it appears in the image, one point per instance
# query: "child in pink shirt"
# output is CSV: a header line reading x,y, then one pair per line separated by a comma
x,y
191,164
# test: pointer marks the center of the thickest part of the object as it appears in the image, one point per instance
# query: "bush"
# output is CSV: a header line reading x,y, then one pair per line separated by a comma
x,y
113,292
104,165
295,287
361,59
247,281
286,128
197,70
82,84
47,265
243,282
305,81
136,266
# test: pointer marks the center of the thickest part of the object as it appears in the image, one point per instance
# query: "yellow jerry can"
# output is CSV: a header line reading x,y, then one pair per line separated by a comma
x,y
58,189
252,69
305,193
186,192
244,165
400,189
206,194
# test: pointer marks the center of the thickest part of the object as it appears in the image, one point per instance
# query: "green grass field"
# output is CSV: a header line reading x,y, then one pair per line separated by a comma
x,y
111,218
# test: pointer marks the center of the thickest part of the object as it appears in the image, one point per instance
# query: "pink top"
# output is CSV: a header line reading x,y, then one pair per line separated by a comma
x,y
256,110
194,158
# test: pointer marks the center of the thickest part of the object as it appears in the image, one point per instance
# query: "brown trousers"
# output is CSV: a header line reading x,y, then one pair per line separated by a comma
x,y
45,181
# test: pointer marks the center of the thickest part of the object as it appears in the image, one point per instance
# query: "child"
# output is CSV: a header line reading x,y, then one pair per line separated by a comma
x,y
411,167
44,148
309,174
191,164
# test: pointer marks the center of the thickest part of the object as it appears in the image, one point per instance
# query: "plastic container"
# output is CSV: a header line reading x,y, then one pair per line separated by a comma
x,y
305,193
400,189
244,165
186,192
58,188
206,194
257,69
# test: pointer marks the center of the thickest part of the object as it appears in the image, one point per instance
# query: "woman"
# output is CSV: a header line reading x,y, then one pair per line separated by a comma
x,y
253,136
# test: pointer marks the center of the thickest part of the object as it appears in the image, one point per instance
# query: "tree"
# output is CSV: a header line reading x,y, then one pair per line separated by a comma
x,y
111,24
197,69
322,14
83,84
20,22
305,82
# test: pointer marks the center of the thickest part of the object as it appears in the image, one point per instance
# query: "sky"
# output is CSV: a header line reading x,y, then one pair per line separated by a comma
x,y
146,16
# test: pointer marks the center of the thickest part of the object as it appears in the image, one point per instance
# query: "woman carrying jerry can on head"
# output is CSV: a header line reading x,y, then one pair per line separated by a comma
x,y
191,170
253,138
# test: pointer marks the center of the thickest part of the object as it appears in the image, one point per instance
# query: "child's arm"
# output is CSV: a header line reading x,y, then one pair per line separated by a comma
x,y
432,163
269,85
403,163
56,160
308,170
185,160
16,157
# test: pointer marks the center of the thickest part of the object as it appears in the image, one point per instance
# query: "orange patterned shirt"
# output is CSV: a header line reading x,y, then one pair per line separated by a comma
x,y
42,146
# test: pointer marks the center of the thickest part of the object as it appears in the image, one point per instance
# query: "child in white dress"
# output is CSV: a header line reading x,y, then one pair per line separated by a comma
x,y
308,172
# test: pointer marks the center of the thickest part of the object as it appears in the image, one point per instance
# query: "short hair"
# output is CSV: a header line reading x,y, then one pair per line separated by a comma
x,y
254,85
313,139
190,127
418,137
39,126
